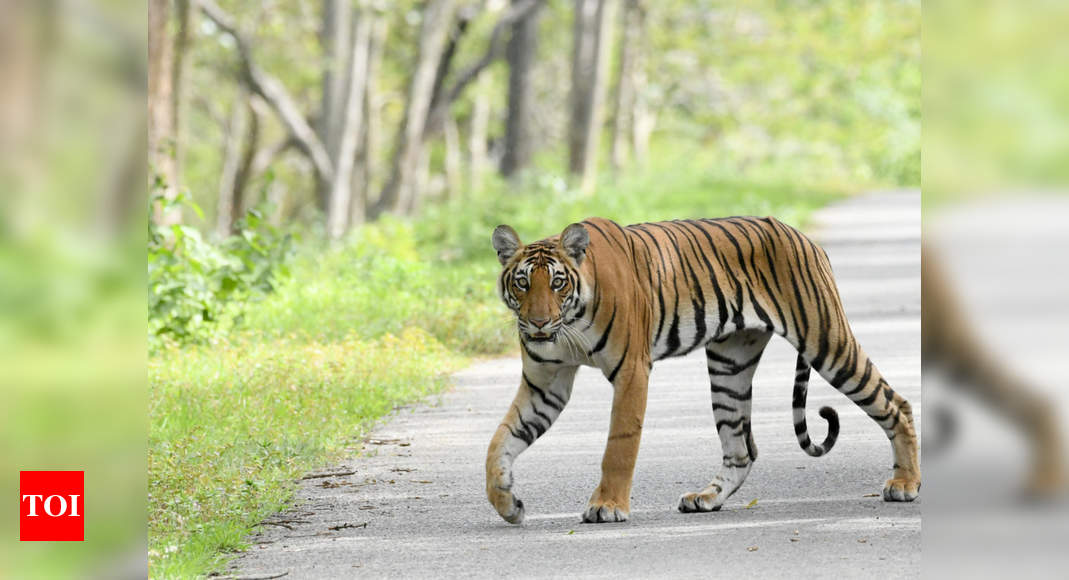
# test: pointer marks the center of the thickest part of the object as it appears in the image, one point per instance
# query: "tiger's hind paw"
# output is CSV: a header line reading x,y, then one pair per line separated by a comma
x,y
507,505
901,489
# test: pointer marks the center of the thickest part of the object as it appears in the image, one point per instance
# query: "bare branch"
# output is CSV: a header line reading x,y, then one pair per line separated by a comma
x,y
514,14
274,93
266,156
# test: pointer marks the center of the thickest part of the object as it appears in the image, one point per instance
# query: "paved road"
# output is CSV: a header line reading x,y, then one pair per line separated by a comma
x,y
421,491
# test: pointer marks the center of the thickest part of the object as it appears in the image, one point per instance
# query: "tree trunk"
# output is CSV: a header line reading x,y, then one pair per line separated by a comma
x,y
235,132
334,38
161,109
398,194
365,171
623,116
454,175
250,150
477,129
183,41
240,160
341,187
520,53
642,119
590,34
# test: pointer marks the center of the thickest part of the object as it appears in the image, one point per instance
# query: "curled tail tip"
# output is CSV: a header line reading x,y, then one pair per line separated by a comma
x,y
807,445
832,418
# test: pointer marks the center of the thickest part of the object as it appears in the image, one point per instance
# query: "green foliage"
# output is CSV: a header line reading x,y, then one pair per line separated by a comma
x,y
234,424
833,87
198,289
378,282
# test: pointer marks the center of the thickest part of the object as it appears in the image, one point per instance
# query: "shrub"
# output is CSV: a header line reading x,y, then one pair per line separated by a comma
x,y
198,290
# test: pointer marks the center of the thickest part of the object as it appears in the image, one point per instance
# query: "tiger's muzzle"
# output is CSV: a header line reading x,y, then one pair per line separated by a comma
x,y
540,330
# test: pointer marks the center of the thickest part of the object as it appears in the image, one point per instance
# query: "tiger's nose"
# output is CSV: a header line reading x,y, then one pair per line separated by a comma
x,y
539,322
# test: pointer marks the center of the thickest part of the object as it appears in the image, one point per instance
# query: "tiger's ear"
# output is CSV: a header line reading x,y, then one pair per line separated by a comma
x,y
574,241
506,243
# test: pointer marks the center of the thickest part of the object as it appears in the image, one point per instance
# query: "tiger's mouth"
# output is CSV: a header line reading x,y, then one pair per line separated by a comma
x,y
541,336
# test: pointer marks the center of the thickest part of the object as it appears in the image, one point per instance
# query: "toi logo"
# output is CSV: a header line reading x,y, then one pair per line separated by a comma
x,y
51,506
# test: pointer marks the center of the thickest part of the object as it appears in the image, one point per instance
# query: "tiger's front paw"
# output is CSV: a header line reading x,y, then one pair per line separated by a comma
x,y
901,489
708,500
601,512
508,506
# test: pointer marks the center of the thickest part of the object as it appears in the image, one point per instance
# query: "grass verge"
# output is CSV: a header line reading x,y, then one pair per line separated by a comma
x,y
233,425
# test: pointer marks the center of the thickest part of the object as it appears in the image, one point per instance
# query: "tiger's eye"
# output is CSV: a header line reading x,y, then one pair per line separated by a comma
x,y
558,284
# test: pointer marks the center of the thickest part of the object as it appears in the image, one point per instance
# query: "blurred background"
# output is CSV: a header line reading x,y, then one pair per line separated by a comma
x,y
995,281
322,177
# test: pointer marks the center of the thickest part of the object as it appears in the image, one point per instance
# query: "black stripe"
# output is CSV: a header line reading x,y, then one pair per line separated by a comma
x,y
732,424
735,369
605,336
612,375
537,358
864,380
731,394
869,399
720,302
557,404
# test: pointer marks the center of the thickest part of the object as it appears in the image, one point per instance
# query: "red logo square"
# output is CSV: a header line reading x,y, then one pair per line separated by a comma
x,y
52,506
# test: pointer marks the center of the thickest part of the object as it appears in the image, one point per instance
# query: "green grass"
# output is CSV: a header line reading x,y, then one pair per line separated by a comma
x,y
233,424
364,326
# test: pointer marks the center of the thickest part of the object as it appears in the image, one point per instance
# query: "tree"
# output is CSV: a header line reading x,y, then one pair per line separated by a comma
x,y
183,40
632,22
240,152
589,50
334,38
366,168
397,196
161,114
353,115
521,51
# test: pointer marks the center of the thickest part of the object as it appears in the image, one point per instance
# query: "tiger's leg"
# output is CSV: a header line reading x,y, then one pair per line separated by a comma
x,y
854,375
611,500
543,393
732,363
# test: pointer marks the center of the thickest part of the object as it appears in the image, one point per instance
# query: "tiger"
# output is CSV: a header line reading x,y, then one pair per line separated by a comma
x,y
620,298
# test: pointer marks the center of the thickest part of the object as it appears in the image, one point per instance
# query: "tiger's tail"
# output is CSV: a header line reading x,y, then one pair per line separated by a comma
x,y
801,389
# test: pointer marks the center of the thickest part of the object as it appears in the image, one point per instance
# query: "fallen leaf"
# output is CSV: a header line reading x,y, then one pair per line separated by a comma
x,y
862,540
752,503
751,549
570,532
793,539
871,495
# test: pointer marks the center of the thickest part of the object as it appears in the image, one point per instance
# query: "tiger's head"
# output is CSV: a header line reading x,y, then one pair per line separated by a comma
x,y
542,282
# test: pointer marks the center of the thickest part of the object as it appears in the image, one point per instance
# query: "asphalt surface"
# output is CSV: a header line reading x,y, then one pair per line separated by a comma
x,y
416,505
